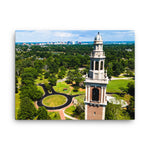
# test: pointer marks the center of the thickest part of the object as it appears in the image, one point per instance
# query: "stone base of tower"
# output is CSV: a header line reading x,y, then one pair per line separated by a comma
x,y
94,112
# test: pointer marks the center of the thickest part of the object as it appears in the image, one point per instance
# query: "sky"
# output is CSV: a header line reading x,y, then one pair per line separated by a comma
x,y
73,35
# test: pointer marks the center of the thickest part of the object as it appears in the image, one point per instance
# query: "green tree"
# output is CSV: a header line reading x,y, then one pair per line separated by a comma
x,y
27,78
16,84
110,70
42,114
131,63
46,75
70,76
27,110
78,77
31,91
48,87
115,112
52,79
31,70
131,88
79,111
38,64
52,65
131,108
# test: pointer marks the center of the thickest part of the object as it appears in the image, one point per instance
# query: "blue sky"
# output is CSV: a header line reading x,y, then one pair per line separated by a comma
x,y
73,35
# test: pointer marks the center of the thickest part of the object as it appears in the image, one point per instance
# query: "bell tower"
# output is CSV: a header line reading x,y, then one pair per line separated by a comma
x,y
95,83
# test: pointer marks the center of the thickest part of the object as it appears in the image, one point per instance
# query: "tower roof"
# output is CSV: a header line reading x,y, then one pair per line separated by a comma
x,y
98,37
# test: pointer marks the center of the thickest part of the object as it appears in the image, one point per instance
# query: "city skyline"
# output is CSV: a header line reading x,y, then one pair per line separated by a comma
x,y
72,35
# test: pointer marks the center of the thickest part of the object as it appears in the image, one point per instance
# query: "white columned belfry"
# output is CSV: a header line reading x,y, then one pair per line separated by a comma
x,y
95,83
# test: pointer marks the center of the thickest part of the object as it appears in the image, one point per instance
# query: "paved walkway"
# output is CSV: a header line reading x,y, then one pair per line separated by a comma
x,y
62,116
121,78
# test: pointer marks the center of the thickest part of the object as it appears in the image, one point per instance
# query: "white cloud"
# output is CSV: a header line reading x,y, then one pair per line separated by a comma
x,y
65,34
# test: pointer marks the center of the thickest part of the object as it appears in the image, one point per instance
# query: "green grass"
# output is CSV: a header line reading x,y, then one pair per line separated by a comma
x,y
70,110
80,91
61,85
80,98
17,104
67,118
38,80
114,85
19,81
54,100
54,115
126,97
41,89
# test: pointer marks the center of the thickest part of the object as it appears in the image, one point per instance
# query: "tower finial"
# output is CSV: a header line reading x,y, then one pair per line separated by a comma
x,y
98,32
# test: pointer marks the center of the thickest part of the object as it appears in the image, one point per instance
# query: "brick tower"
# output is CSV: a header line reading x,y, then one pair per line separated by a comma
x,y
95,83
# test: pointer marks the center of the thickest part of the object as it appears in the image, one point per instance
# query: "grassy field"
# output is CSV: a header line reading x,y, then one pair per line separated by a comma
x,y
67,118
69,110
54,100
126,97
41,89
17,104
114,85
61,85
39,80
80,98
54,115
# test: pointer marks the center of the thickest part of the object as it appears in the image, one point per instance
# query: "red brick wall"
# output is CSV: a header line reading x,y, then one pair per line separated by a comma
x,y
91,88
98,112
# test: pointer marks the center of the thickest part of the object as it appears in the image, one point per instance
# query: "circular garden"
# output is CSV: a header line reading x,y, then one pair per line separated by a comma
x,y
54,100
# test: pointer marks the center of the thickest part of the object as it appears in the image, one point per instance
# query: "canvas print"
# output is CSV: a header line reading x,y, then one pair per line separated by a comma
x,y
75,75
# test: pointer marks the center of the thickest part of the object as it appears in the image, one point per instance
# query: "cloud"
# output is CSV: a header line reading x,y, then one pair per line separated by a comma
x,y
65,34
72,35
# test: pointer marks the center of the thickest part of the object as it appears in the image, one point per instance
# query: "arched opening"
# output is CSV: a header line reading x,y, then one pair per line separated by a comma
x,y
95,94
101,65
96,65
92,64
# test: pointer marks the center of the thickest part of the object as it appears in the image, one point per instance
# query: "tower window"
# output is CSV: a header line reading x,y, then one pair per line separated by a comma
x,y
95,94
101,65
92,64
96,65
94,113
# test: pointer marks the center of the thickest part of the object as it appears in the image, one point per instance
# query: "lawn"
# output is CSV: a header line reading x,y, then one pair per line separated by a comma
x,y
61,85
41,80
126,97
80,98
41,89
70,110
17,104
67,118
54,100
114,85
54,115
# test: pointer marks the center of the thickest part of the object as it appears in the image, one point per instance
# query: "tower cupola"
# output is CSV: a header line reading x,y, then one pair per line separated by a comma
x,y
98,37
